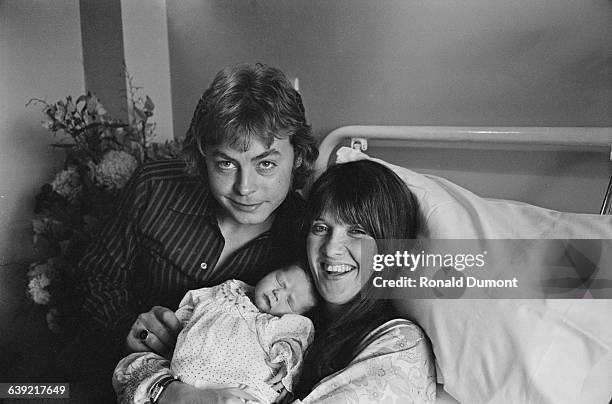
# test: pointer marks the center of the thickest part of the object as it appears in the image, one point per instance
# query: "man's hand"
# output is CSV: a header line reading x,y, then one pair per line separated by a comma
x,y
275,381
280,371
284,396
155,331
181,393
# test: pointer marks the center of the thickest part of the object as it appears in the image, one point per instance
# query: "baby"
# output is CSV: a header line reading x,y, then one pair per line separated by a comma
x,y
238,335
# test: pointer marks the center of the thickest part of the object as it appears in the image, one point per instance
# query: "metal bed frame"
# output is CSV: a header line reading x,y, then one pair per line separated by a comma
x,y
572,138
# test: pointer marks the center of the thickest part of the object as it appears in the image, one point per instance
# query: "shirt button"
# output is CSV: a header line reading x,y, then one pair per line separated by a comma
x,y
203,265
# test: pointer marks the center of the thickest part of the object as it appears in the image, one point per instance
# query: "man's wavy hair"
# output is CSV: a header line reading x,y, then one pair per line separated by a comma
x,y
246,102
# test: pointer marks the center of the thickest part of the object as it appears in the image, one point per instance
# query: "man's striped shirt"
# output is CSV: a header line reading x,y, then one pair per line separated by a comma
x,y
164,240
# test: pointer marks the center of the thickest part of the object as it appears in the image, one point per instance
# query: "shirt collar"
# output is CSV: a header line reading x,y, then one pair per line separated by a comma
x,y
194,199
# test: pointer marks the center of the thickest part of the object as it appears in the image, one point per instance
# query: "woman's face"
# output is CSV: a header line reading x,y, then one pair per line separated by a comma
x,y
335,258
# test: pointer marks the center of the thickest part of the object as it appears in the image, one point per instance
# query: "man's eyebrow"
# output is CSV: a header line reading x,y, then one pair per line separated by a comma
x,y
267,153
218,153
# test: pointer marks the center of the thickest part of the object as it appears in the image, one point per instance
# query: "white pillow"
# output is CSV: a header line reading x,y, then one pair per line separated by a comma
x,y
502,350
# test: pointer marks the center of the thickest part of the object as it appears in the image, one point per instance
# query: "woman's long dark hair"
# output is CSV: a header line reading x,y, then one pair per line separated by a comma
x,y
370,195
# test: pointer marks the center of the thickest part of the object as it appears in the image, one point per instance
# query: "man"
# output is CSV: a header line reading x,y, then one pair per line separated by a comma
x,y
229,210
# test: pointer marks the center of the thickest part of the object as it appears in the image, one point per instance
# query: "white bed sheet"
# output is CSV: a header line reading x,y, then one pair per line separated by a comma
x,y
500,351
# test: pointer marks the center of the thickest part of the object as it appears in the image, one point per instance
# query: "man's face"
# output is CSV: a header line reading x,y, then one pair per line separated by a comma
x,y
250,185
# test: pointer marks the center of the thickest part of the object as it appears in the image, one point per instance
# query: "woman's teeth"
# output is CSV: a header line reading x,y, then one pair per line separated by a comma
x,y
337,269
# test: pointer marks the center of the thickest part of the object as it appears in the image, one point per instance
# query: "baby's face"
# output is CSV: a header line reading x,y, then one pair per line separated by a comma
x,y
284,291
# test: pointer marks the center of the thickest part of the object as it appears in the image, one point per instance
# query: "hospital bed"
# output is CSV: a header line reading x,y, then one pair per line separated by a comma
x,y
498,351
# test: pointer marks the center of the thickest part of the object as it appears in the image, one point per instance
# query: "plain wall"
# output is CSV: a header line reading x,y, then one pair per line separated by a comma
x,y
409,62
41,57
436,62
40,44
103,54
145,40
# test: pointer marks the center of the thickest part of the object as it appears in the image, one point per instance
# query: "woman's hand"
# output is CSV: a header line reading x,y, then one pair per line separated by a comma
x,y
182,393
155,331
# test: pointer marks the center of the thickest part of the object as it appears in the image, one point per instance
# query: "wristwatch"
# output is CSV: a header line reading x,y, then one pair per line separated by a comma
x,y
158,387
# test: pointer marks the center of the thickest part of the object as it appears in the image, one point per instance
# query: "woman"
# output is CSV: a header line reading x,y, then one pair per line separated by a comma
x,y
361,351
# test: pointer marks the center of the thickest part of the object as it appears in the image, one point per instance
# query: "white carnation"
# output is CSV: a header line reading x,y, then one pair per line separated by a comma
x,y
37,289
115,169
67,183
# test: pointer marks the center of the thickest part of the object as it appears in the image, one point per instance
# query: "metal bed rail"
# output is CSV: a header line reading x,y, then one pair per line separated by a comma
x,y
574,138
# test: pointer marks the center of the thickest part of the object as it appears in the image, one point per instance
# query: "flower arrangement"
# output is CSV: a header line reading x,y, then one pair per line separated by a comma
x,y
101,155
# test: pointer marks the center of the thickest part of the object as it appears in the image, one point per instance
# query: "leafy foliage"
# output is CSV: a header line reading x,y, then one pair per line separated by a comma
x,y
101,155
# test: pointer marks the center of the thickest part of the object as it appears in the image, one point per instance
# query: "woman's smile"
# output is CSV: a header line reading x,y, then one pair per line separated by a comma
x,y
336,270
335,257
